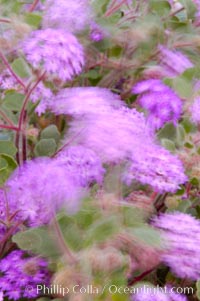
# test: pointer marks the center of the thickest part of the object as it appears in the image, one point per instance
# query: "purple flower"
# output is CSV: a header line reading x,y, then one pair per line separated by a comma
x,y
96,32
79,101
160,101
173,62
42,187
182,231
20,273
195,110
83,163
150,293
113,135
42,94
72,16
7,81
153,165
57,52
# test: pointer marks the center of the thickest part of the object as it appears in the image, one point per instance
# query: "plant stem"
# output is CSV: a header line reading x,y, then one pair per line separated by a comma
x,y
140,277
62,242
21,125
6,63
33,6
6,118
114,8
8,127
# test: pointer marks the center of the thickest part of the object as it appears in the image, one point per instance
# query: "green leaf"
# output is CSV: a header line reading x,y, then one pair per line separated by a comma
x,y
103,229
33,19
21,68
168,144
183,87
13,101
168,132
132,216
51,132
7,166
8,148
160,7
71,232
148,235
45,147
198,289
37,240
184,206
180,135
188,126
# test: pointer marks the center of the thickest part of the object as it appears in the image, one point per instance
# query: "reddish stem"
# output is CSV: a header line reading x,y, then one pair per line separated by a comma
x,y
6,118
6,63
5,20
21,125
114,9
33,6
140,277
9,127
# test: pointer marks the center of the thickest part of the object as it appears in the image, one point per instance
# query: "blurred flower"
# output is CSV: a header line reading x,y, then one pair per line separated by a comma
x,y
40,188
113,135
157,167
182,231
83,163
56,51
20,275
1,296
173,62
84,100
149,293
72,16
7,81
42,94
160,101
96,32
195,110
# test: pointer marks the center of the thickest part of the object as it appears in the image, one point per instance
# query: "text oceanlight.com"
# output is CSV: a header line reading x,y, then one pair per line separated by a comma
x,y
111,289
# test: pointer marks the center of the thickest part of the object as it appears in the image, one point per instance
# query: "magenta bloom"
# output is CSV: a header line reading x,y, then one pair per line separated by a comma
x,y
195,110
182,231
72,16
173,62
43,95
42,187
80,101
56,51
112,135
18,273
83,163
160,101
157,167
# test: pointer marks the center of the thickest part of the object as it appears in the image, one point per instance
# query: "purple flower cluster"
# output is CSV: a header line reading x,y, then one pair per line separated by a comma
x,y
72,16
79,101
182,231
157,167
40,188
195,110
56,51
173,62
157,294
160,101
113,135
42,94
96,32
83,163
19,273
